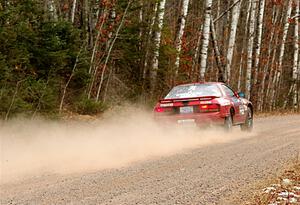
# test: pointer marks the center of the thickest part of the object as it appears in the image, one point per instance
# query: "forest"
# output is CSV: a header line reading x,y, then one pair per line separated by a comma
x,y
84,56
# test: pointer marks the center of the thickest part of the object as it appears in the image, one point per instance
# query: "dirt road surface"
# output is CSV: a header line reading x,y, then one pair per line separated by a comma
x,y
209,174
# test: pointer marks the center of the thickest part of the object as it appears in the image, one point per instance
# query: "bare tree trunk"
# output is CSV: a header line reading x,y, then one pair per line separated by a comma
x,y
235,19
50,7
220,65
141,18
95,47
179,35
293,88
13,99
107,84
274,67
196,54
93,67
73,10
110,49
205,42
69,80
250,48
261,91
281,55
157,40
217,24
149,41
296,59
244,46
227,10
259,37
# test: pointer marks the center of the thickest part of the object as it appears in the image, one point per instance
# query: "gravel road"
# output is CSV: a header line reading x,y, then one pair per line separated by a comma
x,y
210,174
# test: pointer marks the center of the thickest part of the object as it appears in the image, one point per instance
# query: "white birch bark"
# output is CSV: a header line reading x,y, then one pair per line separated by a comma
x,y
93,70
149,40
157,40
205,42
196,55
296,57
141,14
272,80
217,24
244,46
73,10
217,53
284,36
261,92
281,54
293,88
52,9
235,19
178,41
259,37
250,48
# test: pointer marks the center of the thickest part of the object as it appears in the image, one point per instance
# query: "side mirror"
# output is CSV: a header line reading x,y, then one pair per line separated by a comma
x,y
242,95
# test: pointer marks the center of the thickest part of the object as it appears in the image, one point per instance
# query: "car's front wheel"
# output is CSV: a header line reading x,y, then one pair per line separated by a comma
x,y
248,125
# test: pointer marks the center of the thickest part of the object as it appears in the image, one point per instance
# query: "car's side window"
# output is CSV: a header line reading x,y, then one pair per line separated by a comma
x,y
228,91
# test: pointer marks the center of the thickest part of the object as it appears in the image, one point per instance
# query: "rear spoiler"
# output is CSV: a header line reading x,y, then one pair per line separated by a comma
x,y
187,99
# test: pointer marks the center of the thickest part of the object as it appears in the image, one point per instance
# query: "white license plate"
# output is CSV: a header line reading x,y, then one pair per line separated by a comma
x,y
186,121
186,110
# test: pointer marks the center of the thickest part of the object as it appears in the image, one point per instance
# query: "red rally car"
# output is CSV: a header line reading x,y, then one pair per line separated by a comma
x,y
205,103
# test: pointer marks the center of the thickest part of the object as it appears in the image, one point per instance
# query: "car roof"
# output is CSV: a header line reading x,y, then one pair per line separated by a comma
x,y
199,83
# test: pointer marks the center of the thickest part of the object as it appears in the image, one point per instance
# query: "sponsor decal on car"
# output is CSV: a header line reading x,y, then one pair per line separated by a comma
x,y
224,102
242,109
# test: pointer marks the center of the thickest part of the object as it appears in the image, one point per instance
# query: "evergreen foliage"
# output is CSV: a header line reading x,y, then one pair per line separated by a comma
x,y
50,62
36,59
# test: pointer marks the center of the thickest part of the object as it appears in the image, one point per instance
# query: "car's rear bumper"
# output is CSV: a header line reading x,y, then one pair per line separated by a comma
x,y
199,119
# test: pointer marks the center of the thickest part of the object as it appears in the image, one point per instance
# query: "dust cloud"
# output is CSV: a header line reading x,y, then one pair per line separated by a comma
x,y
36,147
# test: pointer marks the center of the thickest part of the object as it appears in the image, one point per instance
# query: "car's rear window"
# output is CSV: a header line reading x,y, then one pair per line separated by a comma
x,y
194,90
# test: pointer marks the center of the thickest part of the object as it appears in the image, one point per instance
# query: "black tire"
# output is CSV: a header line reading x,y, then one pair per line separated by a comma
x,y
248,125
228,123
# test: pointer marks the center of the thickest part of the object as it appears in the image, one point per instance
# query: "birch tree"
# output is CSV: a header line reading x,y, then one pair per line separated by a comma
x,y
205,42
235,19
157,40
250,48
110,50
179,35
284,36
217,53
149,37
282,50
51,9
274,35
244,43
73,10
296,57
293,87
259,37
196,54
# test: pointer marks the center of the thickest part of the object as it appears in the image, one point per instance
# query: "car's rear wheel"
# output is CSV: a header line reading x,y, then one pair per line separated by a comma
x,y
248,125
228,123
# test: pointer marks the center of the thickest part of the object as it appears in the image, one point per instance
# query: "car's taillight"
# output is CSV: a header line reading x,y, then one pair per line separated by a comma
x,y
162,109
209,108
159,109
